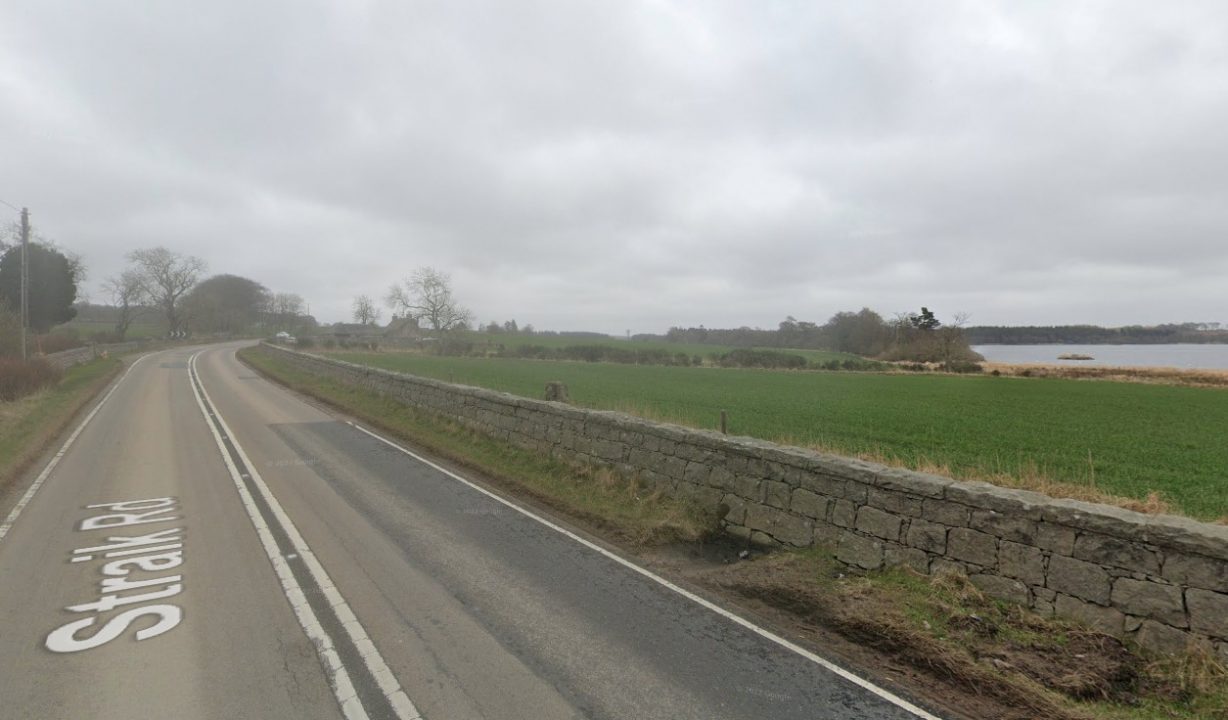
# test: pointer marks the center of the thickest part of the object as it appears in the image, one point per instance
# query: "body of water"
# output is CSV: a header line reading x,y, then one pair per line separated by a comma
x,y
1205,357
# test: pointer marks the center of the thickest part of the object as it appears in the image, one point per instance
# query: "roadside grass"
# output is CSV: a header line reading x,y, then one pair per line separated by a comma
x,y
986,657
1153,448
944,626
28,424
626,509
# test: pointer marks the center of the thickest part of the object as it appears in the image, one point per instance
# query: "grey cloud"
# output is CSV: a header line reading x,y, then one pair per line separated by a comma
x,y
636,165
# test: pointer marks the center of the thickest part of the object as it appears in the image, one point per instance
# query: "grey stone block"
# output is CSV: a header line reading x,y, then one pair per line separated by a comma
x,y
1187,535
1022,562
1002,588
894,502
696,473
1077,578
927,536
912,482
1007,527
721,477
864,552
1043,593
1196,571
1161,639
737,509
1116,552
1104,519
809,504
972,546
1151,600
895,555
1208,612
856,492
776,494
983,496
826,535
782,526
879,523
1056,538
1105,619
843,513
822,484
947,513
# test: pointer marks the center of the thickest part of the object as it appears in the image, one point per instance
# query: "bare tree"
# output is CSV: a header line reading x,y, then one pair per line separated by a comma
x,y
427,295
365,311
165,277
951,338
125,293
286,308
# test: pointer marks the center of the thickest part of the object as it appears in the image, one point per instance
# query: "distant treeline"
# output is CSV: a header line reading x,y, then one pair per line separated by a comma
x,y
1094,335
909,337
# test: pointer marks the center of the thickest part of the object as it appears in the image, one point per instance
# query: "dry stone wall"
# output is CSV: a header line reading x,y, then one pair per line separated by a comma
x,y
1159,580
68,358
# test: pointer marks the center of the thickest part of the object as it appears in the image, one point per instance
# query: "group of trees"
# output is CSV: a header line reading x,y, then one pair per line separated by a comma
x,y
509,327
918,337
54,277
157,282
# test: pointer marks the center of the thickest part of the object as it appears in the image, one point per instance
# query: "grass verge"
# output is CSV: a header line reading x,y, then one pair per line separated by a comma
x,y
29,424
623,508
1005,661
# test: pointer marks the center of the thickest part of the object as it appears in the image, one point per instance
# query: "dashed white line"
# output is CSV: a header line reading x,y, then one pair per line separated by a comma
x,y
343,687
46,473
762,632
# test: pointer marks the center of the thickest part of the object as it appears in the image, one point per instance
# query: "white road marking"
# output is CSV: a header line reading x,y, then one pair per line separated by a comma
x,y
46,473
762,632
343,687
116,577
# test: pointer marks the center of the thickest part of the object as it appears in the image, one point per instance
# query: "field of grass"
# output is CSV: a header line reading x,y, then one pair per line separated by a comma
x,y
135,331
553,341
26,425
1122,438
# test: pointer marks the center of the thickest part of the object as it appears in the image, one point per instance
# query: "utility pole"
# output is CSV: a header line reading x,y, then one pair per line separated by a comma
x,y
25,279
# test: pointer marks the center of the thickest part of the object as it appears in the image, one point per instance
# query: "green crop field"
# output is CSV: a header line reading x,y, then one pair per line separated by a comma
x,y
1127,438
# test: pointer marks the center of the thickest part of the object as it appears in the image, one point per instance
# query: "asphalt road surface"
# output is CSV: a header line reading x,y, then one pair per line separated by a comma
x,y
210,546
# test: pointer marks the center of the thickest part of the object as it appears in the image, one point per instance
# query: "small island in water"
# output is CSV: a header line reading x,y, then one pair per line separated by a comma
x,y
1075,356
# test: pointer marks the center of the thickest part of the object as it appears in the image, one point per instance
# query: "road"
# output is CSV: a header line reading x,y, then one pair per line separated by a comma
x,y
211,546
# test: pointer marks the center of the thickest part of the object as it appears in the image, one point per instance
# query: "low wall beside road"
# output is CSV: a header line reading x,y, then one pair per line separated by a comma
x,y
68,358
1159,580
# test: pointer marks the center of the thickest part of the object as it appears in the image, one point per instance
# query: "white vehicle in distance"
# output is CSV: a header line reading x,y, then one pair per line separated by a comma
x,y
285,337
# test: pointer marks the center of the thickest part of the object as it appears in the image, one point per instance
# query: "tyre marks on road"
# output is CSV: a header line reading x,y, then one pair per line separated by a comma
x,y
362,682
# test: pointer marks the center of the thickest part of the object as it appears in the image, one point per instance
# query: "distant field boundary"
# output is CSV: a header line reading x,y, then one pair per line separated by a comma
x,y
1161,581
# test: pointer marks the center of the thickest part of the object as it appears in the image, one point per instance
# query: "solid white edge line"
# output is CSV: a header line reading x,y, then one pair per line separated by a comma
x,y
59,455
343,687
763,632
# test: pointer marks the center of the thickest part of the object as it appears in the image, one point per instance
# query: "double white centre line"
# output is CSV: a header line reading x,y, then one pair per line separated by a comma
x,y
320,607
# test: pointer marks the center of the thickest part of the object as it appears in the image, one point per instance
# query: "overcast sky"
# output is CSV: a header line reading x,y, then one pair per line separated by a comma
x,y
635,165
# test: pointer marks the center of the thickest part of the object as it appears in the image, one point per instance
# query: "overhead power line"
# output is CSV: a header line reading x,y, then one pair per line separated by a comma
x,y
2,202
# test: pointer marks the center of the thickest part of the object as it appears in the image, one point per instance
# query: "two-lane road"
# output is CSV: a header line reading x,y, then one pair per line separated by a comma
x,y
210,546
